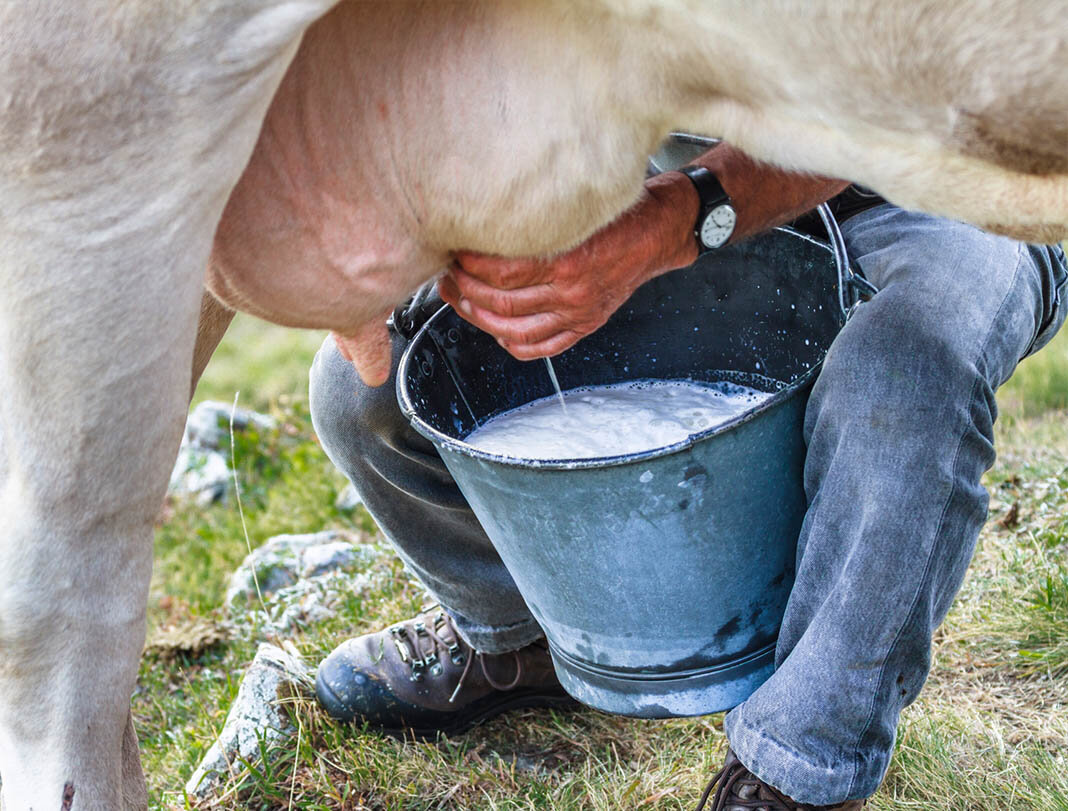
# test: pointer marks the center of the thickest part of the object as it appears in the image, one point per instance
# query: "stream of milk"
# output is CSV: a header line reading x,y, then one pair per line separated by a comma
x,y
611,420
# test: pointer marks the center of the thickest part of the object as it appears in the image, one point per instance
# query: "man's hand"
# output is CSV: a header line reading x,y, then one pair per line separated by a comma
x,y
540,307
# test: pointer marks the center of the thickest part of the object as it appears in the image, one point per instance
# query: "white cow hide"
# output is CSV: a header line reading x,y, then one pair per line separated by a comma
x,y
403,131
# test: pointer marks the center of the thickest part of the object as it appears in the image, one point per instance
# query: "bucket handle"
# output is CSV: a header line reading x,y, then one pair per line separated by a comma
x,y
853,288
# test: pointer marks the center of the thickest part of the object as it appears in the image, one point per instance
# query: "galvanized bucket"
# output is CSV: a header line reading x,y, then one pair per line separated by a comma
x,y
659,578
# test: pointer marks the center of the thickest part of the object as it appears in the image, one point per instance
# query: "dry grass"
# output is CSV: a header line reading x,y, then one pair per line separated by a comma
x,y
990,730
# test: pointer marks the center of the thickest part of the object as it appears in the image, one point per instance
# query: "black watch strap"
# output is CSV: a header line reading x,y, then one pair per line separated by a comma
x,y
709,189
713,197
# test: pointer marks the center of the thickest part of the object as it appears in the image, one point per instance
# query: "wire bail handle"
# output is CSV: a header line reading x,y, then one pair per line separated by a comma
x,y
859,289
853,288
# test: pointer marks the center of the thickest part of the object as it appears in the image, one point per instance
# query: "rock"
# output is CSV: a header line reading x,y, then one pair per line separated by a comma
x,y
201,469
309,601
254,717
204,475
209,423
328,556
303,579
348,499
285,559
527,765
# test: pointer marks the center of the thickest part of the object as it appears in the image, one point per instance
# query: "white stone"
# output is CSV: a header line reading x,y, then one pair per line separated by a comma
x,y
348,499
203,474
201,470
309,601
326,557
254,716
304,603
209,423
285,559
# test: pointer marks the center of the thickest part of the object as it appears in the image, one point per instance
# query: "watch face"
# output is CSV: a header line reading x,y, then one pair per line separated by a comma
x,y
718,226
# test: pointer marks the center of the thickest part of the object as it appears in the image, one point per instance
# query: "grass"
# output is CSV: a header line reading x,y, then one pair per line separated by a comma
x,y
1040,384
261,361
990,731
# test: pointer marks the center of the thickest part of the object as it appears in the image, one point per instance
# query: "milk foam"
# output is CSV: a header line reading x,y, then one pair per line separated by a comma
x,y
612,420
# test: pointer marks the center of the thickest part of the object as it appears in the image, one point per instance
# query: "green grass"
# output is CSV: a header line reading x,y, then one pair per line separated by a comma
x,y
989,732
946,761
1040,383
262,361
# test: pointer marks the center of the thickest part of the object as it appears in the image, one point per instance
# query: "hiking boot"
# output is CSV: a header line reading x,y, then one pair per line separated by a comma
x,y
420,678
741,790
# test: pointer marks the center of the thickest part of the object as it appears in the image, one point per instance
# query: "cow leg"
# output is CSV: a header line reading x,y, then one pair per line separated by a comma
x,y
96,383
118,149
134,790
215,318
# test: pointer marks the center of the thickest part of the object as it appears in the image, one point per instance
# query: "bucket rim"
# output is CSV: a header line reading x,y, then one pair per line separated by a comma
x,y
446,442
803,381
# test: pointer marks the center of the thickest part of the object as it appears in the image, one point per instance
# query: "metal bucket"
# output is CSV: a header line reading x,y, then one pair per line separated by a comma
x,y
659,578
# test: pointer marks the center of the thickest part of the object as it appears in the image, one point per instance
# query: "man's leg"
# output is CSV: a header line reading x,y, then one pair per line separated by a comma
x,y
406,676
900,431
408,491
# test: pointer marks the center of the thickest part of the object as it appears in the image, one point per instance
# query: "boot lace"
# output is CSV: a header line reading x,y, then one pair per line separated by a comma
x,y
740,788
419,647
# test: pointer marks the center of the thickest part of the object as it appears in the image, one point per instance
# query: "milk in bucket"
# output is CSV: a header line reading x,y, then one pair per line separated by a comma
x,y
622,418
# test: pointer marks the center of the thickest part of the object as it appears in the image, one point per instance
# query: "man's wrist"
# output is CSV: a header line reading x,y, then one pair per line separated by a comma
x,y
678,205
762,195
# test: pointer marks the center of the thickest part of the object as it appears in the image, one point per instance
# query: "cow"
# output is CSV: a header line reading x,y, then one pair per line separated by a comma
x,y
312,161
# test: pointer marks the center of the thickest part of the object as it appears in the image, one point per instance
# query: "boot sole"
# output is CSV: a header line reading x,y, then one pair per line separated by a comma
x,y
534,701
476,714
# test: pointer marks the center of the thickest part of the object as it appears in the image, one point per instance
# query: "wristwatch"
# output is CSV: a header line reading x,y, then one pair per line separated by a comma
x,y
716,218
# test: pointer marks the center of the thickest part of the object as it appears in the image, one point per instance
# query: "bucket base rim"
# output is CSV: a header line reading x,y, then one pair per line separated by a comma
x,y
665,695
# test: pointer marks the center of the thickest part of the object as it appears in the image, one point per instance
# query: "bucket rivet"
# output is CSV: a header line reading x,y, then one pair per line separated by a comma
x,y
453,336
426,368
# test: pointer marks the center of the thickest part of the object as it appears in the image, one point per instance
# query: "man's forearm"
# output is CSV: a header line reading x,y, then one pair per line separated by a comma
x,y
538,306
763,197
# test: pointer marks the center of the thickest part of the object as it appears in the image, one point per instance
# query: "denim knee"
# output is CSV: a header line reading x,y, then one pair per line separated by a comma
x,y
348,416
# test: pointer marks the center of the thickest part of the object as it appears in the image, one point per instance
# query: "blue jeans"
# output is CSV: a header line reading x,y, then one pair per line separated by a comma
x,y
899,430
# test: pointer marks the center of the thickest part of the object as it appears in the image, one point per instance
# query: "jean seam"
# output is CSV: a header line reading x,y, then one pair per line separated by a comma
x,y
496,628
763,735
522,627
938,531
1057,301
